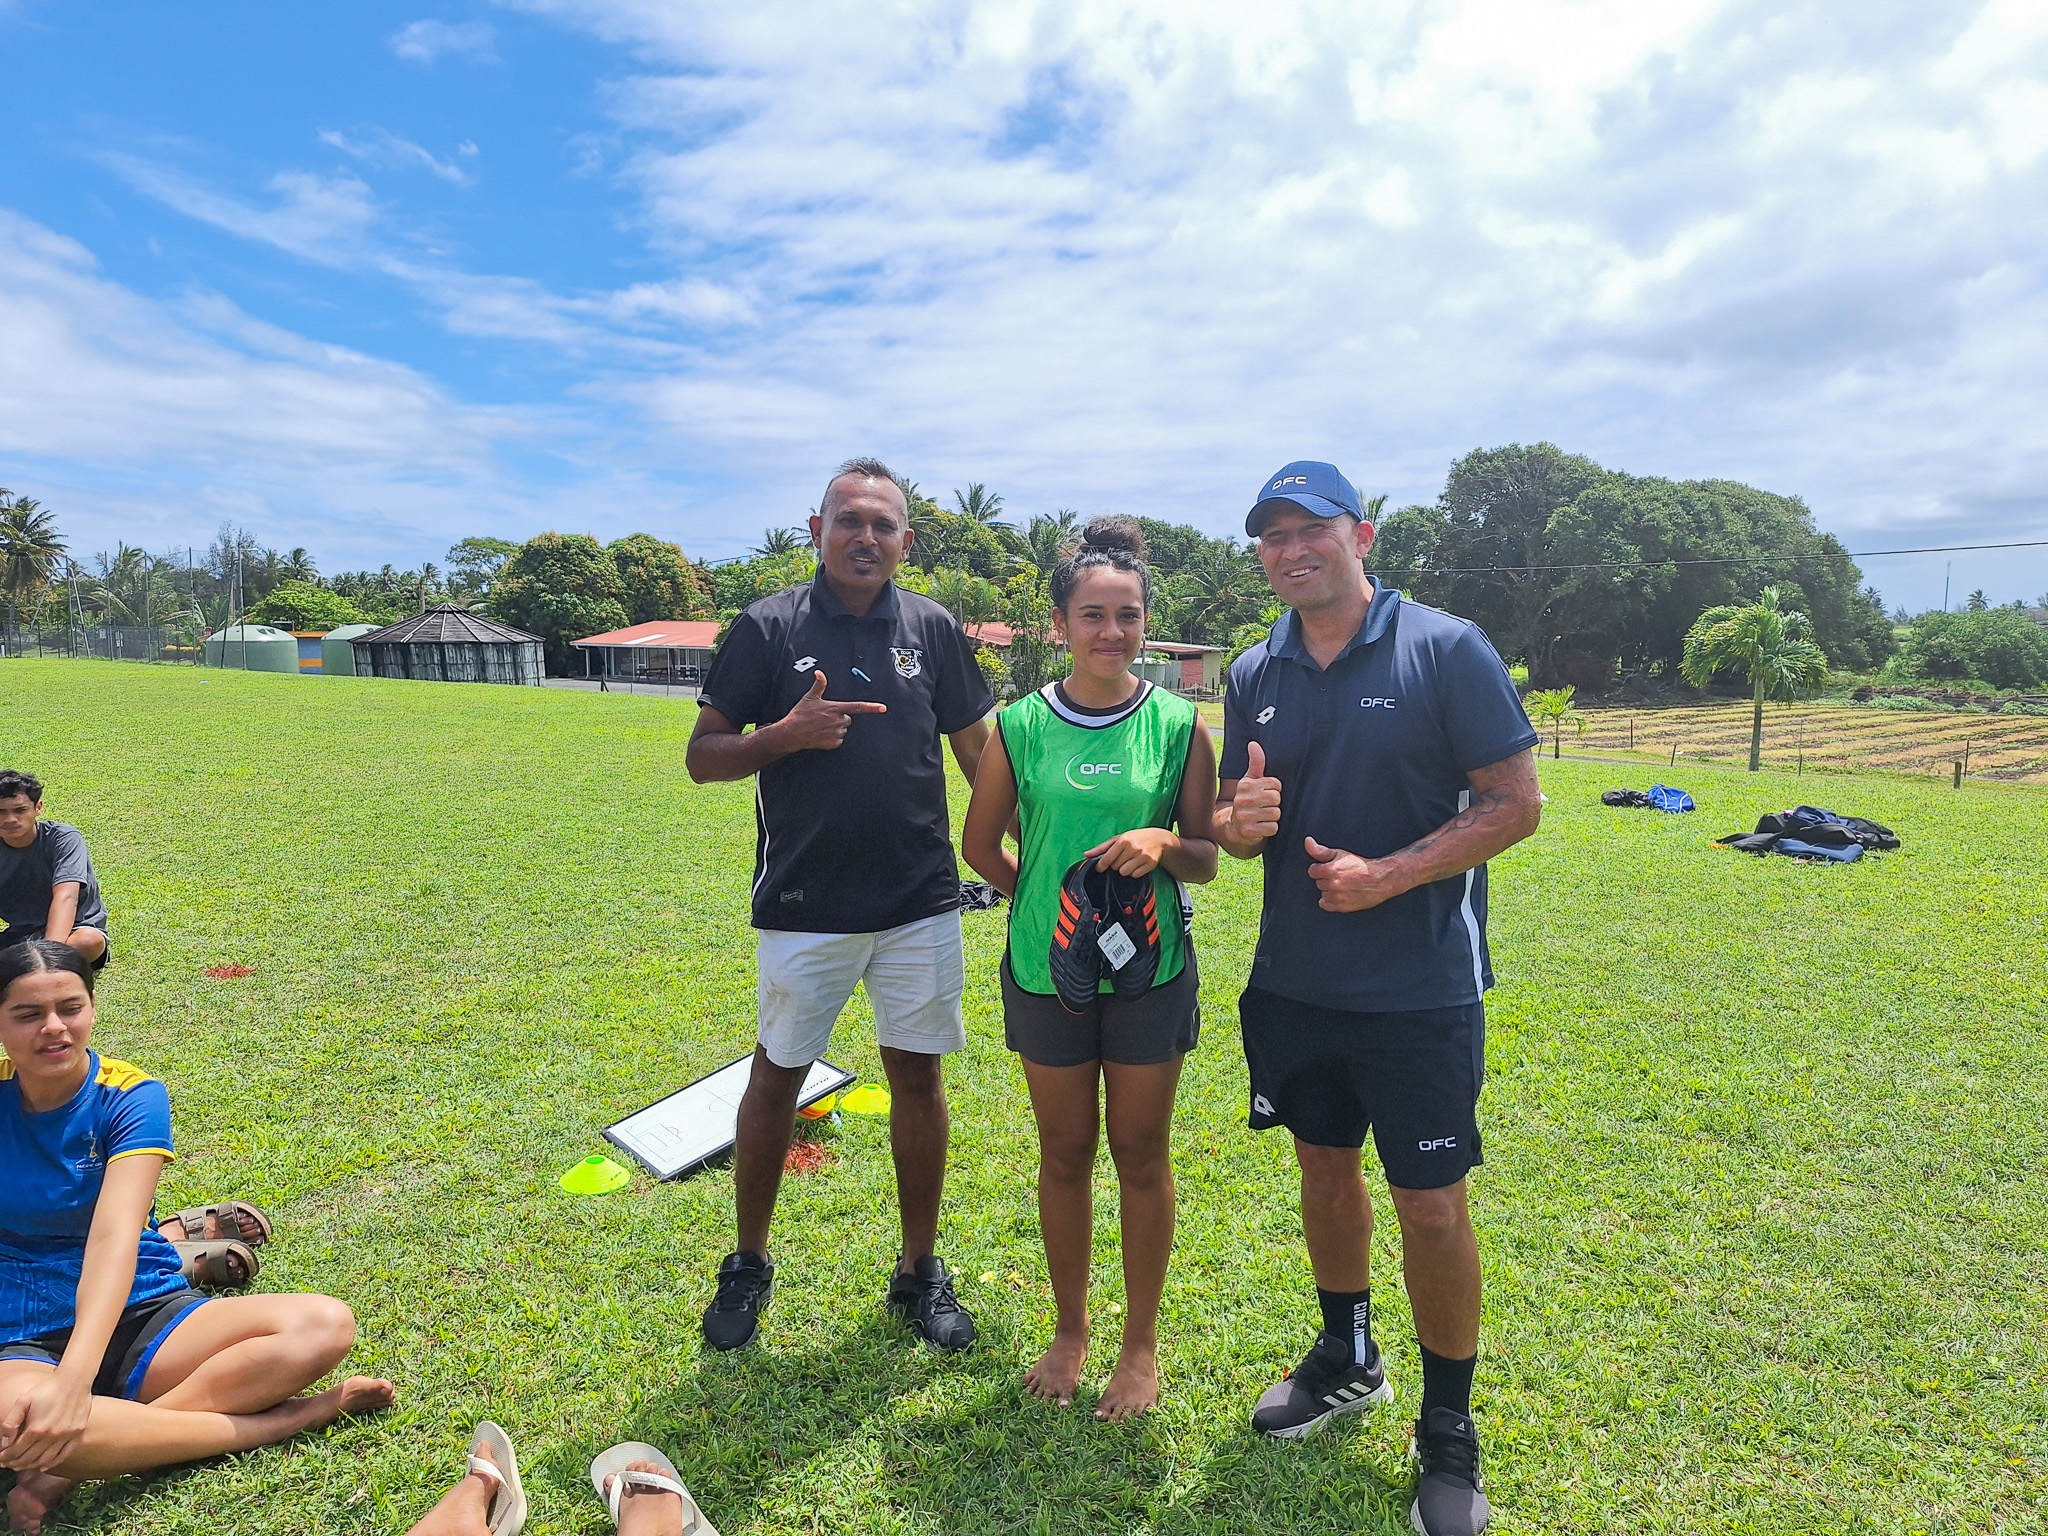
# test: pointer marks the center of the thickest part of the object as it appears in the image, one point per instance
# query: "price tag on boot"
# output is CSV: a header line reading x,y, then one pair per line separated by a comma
x,y
1116,946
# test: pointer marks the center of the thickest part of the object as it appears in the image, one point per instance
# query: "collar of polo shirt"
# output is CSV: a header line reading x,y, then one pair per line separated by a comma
x,y
1285,640
885,605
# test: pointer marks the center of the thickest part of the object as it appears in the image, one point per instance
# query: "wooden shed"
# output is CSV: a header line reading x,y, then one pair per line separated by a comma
x,y
451,645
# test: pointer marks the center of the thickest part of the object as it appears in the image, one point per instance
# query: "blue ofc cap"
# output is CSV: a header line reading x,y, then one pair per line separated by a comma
x,y
1314,486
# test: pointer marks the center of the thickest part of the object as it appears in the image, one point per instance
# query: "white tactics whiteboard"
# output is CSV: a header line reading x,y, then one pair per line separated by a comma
x,y
691,1126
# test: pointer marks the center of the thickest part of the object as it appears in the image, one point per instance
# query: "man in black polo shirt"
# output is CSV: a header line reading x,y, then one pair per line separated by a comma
x,y
1376,756
848,682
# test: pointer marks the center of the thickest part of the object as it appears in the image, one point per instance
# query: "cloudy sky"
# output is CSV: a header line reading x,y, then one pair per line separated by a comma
x,y
370,278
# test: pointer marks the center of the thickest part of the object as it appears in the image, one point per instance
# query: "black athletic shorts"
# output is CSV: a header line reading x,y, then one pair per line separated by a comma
x,y
24,933
1330,1075
1130,1031
142,1329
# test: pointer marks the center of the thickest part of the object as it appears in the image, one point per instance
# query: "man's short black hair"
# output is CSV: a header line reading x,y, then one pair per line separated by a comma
x,y
870,469
14,782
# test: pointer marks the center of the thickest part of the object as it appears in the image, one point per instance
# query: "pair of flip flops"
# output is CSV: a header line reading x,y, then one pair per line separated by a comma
x,y
221,1263
506,1513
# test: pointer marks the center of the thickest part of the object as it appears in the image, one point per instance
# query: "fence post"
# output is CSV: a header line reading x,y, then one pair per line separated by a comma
x,y
1957,764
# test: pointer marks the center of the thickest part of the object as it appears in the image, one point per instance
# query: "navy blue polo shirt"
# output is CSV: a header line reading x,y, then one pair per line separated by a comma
x,y
1371,754
854,840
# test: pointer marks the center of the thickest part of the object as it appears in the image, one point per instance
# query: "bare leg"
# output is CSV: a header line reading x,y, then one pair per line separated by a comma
x,y
1336,1216
89,942
767,1125
1064,1102
918,1131
243,1354
1140,1114
1440,1261
463,1508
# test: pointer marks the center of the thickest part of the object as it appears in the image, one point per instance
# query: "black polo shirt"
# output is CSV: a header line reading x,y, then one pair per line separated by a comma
x,y
854,840
1371,754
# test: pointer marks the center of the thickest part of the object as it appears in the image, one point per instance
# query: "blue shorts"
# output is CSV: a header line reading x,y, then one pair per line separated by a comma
x,y
143,1327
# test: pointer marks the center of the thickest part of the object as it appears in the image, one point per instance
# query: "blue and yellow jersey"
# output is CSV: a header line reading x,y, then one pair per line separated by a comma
x,y
51,1168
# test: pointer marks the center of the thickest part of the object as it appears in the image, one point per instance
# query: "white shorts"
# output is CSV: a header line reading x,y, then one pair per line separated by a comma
x,y
914,977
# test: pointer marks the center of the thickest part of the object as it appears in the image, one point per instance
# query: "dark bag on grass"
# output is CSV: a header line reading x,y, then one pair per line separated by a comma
x,y
1635,799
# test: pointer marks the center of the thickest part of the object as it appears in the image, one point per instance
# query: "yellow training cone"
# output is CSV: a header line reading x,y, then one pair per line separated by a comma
x,y
821,1109
867,1099
595,1176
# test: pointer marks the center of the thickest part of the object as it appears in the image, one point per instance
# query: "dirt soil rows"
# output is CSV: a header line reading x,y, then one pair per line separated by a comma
x,y
1841,737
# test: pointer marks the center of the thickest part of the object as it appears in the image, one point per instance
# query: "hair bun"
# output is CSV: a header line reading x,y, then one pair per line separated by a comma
x,y
1114,533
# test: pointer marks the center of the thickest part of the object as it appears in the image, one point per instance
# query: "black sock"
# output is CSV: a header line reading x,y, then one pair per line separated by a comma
x,y
1445,1383
1348,1314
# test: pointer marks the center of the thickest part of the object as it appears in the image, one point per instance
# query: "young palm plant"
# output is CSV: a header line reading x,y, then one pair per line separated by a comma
x,y
1769,648
1555,706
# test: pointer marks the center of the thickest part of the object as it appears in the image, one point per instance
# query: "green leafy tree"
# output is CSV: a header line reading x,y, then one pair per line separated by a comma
x,y
1977,602
30,553
1998,646
1047,536
660,582
969,598
1027,609
561,587
1767,646
978,504
474,564
1554,705
301,605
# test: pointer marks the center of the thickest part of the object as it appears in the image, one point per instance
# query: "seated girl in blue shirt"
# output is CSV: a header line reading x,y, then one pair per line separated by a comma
x,y
109,1362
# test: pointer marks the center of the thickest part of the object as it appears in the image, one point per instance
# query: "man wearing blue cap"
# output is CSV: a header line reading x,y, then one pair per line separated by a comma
x,y
1375,755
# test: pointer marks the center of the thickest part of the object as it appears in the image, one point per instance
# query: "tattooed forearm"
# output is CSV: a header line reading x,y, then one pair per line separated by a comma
x,y
1505,808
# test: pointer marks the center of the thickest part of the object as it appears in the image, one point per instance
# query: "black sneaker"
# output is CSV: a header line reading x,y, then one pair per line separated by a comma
x,y
1073,957
924,1300
1325,1384
1448,1500
745,1282
1133,907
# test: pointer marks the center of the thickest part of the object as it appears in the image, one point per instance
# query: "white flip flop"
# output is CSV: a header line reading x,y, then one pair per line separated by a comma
x,y
506,1513
608,1475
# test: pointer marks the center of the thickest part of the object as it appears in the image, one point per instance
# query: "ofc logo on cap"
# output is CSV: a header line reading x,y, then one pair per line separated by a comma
x,y
1288,480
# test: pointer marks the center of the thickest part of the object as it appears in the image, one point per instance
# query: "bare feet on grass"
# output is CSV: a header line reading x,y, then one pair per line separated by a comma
x,y
1133,1386
359,1394
1058,1372
463,1509
35,1495
649,1511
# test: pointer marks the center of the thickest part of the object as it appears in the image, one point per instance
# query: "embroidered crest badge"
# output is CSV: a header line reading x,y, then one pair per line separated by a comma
x,y
908,663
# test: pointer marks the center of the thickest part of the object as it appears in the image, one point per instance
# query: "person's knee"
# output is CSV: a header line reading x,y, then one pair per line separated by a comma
x,y
1140,1156
913,1074
774,1086
1432,1213
1327,1168
1069,1158
89,942
325,1328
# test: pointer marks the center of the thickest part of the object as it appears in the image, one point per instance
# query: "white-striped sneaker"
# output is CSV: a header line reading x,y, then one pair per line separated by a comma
x,y
1326,1383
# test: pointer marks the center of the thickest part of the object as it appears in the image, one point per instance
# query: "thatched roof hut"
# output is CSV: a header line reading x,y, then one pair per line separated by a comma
x,y
447,644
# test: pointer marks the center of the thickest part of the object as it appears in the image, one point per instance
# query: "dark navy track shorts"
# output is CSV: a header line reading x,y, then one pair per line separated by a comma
x,y
1330,1075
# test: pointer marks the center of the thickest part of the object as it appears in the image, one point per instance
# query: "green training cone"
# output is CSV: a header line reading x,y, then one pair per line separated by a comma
x,y
595,1176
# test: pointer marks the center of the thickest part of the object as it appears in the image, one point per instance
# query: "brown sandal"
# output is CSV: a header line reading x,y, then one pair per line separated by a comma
x,y
230,1218
219,1266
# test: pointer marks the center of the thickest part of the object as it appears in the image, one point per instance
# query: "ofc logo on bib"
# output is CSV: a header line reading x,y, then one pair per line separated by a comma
x,y
1096,772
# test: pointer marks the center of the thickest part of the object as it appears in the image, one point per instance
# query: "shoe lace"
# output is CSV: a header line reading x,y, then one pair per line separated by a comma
x,y
1446,1455
737,1289
939,1300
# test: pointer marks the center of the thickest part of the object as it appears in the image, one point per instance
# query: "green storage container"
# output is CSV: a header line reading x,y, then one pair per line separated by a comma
x,y
337,656
254,648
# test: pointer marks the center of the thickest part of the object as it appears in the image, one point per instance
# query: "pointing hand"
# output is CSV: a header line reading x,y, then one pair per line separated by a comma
x,y
818,724
1255,809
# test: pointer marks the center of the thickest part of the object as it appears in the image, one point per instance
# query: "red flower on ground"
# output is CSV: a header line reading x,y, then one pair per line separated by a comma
x,y
230,972
806,1157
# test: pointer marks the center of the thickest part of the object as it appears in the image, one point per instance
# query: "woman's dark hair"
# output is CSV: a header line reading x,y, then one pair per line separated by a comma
x,y
38,955
1115,542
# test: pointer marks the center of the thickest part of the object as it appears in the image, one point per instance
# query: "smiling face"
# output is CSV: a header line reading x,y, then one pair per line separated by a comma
x,y
1103,622
862,532
1312,562
45,1025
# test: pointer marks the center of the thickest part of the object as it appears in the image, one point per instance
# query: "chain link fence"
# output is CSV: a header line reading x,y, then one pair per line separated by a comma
x,y
107,642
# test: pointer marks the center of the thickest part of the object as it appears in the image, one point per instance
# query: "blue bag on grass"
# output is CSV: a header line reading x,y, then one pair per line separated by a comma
x,y
1664,798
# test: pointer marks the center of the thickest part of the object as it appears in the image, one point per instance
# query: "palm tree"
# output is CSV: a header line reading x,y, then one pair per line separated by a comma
x,y
29,551
1555,706
777,542
1770,648
968,597
980,505
298,566
1047,536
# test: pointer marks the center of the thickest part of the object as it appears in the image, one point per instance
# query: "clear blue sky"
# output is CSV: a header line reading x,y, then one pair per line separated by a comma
x,y
370,278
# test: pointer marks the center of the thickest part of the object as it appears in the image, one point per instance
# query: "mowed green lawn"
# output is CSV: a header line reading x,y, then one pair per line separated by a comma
x,y
1763,1209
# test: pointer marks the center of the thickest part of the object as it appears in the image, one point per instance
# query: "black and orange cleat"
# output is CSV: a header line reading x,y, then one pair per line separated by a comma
x,y
1075,957
1133,909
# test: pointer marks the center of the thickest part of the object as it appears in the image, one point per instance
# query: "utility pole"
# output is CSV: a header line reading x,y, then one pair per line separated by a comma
x,y
1946,567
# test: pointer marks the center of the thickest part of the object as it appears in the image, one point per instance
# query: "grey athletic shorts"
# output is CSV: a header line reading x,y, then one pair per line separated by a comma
x,y
1130,1031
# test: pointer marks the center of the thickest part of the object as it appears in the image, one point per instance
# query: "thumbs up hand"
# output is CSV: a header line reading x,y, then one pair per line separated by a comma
x,y
1255,808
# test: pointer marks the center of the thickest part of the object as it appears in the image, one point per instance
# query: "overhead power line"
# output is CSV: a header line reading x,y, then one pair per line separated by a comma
x,y
1631,565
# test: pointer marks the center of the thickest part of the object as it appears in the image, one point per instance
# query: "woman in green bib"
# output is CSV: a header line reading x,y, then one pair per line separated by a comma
x,y
1098,770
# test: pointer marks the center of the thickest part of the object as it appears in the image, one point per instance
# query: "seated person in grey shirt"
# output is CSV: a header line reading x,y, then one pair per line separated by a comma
x,y
47,886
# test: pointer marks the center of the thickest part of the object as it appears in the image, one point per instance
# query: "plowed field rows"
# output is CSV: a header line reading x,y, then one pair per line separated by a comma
x,y
1830,736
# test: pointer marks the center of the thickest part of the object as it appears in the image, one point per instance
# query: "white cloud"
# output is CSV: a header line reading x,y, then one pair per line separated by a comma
x,y
382,147
422,42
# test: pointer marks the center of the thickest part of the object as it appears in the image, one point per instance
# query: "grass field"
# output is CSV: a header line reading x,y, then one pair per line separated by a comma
x,y
1762,1212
